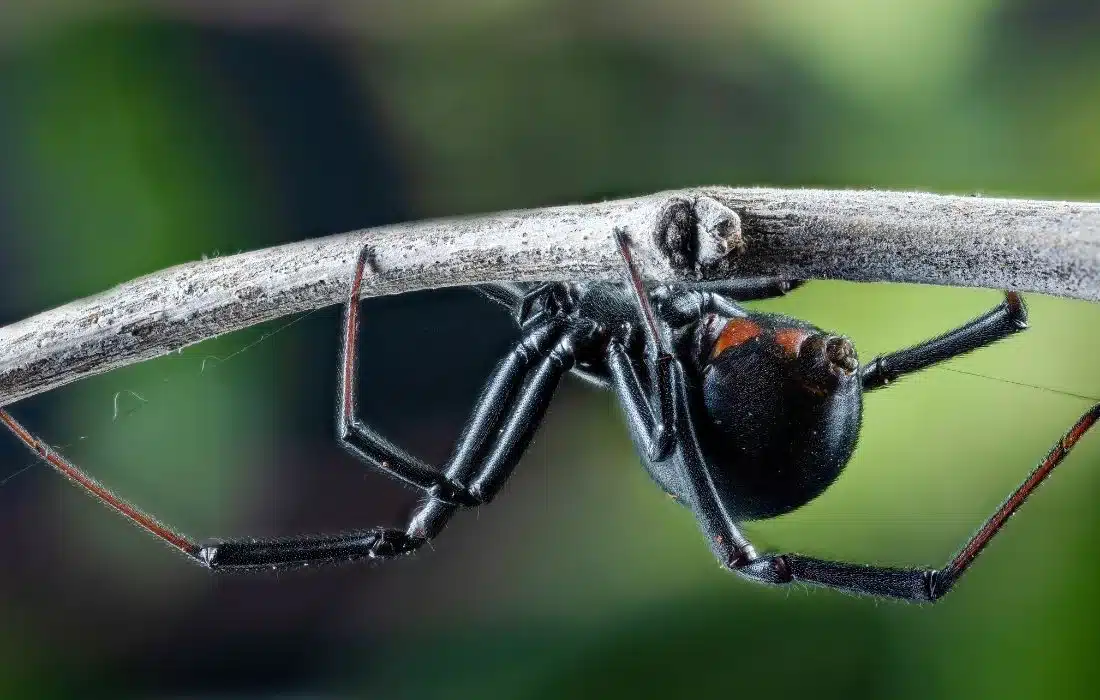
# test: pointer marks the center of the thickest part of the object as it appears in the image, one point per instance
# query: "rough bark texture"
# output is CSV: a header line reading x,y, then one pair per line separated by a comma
x,y
701,233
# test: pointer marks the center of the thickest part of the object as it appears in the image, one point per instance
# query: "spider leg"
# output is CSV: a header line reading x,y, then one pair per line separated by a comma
x,y
686,472
380,453
498,394
655,429
680,307
97,490
682,304
1008,317
484,459
700,490
652,430
510,409
750,289
698,486
507,294
521,299
915,584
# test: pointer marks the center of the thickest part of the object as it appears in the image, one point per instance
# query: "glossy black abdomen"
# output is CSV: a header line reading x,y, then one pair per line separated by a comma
x,y
777,417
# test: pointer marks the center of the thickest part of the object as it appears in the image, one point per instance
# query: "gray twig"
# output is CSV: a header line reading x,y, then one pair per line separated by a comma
x,y
701,233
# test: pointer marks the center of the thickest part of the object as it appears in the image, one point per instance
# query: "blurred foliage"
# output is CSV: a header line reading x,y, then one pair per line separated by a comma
x,y
132,141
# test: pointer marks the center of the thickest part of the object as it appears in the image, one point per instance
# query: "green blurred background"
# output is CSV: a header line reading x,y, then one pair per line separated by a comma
x,y
130,141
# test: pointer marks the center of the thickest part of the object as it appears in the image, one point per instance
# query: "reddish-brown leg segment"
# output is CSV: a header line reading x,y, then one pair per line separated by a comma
x,y
98,490
966,556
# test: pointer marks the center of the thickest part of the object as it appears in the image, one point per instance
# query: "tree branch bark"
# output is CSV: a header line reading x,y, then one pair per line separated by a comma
x,y
700,233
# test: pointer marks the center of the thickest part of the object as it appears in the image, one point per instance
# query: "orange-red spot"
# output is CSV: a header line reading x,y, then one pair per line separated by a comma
x,y
737,331
791,339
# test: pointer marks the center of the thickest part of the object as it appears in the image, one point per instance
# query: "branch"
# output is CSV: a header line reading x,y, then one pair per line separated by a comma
x,y
700,233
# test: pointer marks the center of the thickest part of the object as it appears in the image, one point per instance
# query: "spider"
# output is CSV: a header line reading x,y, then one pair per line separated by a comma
x,y
740,415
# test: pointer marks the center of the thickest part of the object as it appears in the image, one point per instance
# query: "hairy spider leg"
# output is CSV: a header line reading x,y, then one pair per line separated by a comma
x,y
500,429
101,493
659,431
1005,319
679,305
654,335
748,289
673,417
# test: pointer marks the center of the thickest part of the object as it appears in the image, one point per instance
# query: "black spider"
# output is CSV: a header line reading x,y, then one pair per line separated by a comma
x,y
739,415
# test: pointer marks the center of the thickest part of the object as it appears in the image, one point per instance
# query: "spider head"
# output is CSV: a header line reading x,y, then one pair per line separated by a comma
x,y
782,404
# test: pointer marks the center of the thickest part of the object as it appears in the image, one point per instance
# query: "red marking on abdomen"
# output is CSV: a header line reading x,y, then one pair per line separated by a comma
x,y
737,331
791,339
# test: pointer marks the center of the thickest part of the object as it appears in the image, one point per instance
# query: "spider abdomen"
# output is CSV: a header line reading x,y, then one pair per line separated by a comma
x,y
779,407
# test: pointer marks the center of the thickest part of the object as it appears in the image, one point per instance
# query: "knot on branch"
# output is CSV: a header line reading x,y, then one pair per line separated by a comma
x,y
699,236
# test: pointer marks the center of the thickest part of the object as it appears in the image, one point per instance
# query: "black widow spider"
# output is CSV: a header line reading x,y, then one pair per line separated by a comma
x,y
738,414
